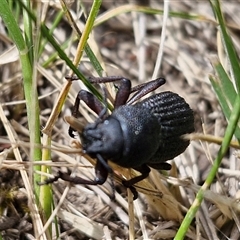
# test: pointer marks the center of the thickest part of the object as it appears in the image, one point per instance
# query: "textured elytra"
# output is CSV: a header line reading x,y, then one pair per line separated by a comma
x,y
153,129
176,119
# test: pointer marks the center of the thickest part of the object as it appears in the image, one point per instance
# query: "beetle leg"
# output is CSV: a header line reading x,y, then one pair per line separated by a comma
x,y
160,166
153,84
105,79
101,174
76,180
100,171
123,93
124,89
134,192
144,170
143,89
91,101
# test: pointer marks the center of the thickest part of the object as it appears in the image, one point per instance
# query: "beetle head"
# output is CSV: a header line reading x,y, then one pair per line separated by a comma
x,y
104,137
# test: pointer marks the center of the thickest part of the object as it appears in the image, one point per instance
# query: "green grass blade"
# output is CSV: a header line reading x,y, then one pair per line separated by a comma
x,y
228,44
27,73
136,8
233,121
225,92
229,100
62,55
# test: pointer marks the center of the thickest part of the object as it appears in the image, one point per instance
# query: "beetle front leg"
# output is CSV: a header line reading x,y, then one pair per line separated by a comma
x,y
91,101
100,178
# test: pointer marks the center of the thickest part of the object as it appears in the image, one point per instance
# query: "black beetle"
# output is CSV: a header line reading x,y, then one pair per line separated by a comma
x,y
147,133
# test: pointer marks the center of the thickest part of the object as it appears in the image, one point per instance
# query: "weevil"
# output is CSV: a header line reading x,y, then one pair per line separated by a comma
x,y
137,134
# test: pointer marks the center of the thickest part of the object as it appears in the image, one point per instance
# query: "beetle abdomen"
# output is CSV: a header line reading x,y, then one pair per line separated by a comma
x,y
176,119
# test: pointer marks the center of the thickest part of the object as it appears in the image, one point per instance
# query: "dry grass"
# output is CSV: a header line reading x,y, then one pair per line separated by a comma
x,y
128,45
